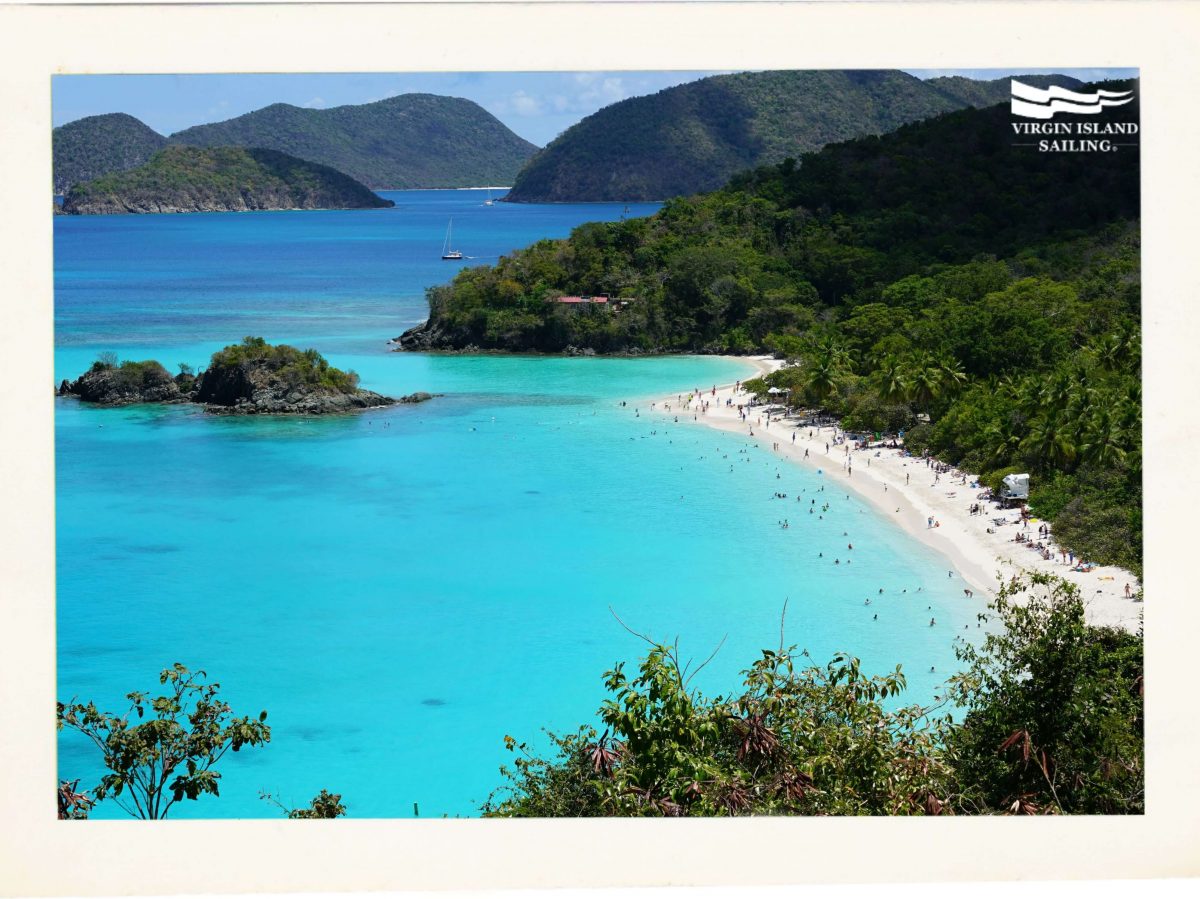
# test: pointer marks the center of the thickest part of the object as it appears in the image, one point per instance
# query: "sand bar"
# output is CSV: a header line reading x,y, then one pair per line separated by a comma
x,y
903,489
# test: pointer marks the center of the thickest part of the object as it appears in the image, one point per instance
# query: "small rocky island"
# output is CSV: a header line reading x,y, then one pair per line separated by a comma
x,y
220,179
248,378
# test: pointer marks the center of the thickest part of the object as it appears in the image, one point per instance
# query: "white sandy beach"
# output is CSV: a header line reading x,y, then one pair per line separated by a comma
x,y
903,489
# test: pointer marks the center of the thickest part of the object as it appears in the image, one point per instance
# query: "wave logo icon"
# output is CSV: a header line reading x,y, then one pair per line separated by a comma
x,y
1044,103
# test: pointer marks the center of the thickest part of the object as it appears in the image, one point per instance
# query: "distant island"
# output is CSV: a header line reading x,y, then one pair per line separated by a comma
x,y
220,179
248,378
696,136
404,142
99,145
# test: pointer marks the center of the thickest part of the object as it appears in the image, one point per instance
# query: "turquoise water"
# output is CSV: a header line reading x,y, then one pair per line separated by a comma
x,y
403,588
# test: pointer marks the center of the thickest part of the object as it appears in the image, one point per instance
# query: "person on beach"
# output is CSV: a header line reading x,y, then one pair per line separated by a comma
x,y
1128,592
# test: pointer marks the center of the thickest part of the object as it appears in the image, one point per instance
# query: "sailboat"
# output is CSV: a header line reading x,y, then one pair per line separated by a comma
x,y
447,252
489,201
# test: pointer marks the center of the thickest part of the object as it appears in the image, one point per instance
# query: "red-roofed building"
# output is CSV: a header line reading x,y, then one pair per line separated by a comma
x,y
574,301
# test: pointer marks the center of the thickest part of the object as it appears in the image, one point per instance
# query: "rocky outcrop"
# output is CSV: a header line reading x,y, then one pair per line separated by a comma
x,y
254,388
430,336
131,382
251,378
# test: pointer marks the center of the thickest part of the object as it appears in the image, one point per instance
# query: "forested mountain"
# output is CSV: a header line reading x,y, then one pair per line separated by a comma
x,y
101,144
694,137
988,93
220,179
939,271
408,141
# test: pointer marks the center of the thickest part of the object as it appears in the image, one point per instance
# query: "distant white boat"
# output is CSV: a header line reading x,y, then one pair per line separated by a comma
x,y
489,201
447,251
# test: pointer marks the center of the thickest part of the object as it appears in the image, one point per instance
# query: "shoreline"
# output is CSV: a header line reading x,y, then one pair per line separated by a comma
x,y
983,560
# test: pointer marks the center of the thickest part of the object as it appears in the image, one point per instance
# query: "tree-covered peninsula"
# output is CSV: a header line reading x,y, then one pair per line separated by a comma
x,y
220,179
983,297
248,378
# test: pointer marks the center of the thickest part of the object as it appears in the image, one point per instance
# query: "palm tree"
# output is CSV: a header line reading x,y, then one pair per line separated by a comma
x,y
822,378
1052,441
952,374
1003,443
891,380
1102,439
925,380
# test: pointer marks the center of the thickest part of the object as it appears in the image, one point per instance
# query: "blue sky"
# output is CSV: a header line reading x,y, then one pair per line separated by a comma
x,y
536,105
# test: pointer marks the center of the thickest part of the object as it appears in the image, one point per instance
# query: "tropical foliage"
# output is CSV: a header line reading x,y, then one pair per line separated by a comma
x,y
323,805
289,364
1053,711
163,749
166,748
1046,718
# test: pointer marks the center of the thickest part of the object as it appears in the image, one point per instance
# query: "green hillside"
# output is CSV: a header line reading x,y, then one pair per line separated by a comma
x,y
694,137
101,144
220,179
409,141
997,90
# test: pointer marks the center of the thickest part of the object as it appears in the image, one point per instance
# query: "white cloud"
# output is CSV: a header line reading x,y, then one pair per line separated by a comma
x,y
519,103
315,103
